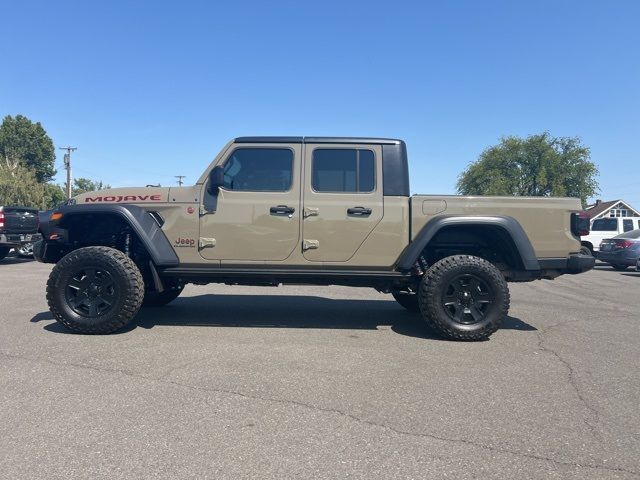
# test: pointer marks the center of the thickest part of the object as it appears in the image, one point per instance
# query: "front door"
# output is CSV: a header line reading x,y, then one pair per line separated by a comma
x,y
342,199
255,216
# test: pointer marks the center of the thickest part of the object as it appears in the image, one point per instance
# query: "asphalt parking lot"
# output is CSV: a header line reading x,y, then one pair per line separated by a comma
x,y
308,382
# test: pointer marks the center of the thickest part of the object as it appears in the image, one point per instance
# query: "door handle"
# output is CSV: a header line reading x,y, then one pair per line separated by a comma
x,y
359,211
281,210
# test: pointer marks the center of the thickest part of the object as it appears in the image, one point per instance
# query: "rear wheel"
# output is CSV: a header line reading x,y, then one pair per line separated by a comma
x,y
407,300
95,290
463,297
172,291
4,251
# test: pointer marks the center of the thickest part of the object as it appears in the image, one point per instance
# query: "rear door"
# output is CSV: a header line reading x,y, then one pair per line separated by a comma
x,y
342,199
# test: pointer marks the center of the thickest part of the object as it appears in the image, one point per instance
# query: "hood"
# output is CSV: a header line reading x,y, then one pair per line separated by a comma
x,y
135,195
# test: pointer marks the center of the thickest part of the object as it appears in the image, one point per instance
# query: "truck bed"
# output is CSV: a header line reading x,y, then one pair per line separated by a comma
x,y
547,220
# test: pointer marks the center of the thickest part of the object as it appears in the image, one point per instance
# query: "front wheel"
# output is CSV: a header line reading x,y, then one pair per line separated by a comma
x,y
95,290
4,251
463,297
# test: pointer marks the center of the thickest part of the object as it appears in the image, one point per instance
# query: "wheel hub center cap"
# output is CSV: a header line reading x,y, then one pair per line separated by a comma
x,y
465,297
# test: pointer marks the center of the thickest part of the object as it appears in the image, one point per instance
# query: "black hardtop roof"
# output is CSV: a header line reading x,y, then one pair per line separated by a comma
x,y
381,141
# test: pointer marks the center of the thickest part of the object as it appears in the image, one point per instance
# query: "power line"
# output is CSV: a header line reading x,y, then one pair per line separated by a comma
x,y
67,167
179,177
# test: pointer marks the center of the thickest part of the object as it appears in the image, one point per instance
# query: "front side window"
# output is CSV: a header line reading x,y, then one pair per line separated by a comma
x,y
259,170
627,225
342,170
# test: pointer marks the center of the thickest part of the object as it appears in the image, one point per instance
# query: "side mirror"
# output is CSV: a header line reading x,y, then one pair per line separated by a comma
x,y
216,179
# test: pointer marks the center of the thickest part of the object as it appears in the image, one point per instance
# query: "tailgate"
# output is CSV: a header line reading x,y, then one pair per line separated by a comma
x,y
19,220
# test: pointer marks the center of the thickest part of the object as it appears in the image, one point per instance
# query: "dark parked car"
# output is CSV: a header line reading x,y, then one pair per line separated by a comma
x,y
18,229
621,251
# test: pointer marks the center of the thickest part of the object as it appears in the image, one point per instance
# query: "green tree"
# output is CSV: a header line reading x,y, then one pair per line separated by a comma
x,y
54,195
537,166
84,185
27,143
19,186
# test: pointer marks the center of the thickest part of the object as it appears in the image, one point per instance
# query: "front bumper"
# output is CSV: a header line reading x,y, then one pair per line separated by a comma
x,y
47,252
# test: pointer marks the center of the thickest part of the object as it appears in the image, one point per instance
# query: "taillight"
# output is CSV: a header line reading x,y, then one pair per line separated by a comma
x,y
1,219
580,224
622,244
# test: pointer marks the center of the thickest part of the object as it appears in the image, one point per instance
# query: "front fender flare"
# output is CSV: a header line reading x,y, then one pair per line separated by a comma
x,y
509,224
145,227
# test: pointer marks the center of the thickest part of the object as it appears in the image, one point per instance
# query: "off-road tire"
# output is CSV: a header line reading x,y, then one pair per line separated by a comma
x,y
127,288
435,291
172,290
407,300
4,251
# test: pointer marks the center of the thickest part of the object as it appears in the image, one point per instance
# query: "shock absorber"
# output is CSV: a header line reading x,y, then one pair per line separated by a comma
x,y
127,244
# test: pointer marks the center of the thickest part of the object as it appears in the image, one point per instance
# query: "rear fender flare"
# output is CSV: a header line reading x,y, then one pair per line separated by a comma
x,y
509,224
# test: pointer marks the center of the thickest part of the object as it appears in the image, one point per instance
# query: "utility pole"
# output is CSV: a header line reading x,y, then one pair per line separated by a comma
x,y
180,177
67,167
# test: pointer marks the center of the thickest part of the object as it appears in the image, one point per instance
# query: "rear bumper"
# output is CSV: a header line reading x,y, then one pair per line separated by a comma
x,y
574,263
18,239
618,258
580,263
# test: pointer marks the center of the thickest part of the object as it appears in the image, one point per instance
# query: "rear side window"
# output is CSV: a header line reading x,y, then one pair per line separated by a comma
x,y
259,170
605,225
343,170
627,225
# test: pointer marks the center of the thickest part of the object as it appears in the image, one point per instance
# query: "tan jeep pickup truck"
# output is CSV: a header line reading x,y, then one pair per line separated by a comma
x,y
306,210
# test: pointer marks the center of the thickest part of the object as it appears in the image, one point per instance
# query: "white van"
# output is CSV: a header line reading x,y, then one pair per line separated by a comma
x,y
602,228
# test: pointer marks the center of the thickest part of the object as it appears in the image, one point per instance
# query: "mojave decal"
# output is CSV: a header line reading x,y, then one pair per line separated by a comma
x,y
124,198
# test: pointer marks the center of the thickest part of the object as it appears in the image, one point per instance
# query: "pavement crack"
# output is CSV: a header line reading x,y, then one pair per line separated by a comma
x,y
571,375
460,441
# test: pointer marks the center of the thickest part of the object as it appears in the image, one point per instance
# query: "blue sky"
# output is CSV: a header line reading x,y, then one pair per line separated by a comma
x,y
149,90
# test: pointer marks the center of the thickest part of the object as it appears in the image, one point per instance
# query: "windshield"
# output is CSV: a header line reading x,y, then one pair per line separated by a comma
x,y
605,225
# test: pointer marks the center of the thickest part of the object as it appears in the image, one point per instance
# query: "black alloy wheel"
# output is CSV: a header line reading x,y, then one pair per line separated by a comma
x,y
467,299
95,290
91,292
463,297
